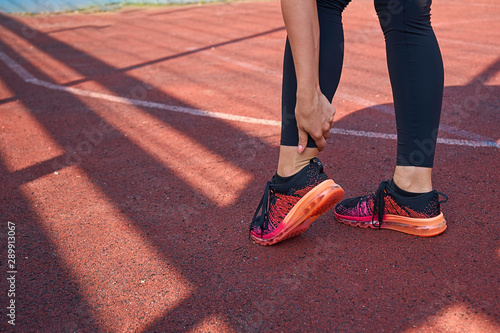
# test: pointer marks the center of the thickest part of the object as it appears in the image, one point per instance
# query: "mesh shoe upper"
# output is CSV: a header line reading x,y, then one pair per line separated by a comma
x,y
425,205
279,199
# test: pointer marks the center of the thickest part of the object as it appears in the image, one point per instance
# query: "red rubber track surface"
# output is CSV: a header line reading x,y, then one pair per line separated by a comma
x,y
133,216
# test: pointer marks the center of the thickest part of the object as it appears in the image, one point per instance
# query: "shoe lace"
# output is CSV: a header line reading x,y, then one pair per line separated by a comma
x,y
444,196
379,204
262,220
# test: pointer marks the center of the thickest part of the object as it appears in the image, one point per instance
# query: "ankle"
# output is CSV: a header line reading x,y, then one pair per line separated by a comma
x,y
413,179
290,161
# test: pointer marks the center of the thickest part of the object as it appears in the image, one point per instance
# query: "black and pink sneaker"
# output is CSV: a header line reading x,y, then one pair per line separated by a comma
x,y
414,213
288,209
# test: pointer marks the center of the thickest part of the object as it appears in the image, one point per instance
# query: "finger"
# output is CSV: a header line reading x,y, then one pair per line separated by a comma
x,y
302,140
332,115
327,126
326,134
321,143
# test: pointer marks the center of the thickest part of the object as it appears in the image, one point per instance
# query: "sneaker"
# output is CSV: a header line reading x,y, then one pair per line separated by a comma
x,y
288,209
418,215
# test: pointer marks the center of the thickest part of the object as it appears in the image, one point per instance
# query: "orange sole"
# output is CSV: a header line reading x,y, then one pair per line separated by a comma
x,y
414,226
315,203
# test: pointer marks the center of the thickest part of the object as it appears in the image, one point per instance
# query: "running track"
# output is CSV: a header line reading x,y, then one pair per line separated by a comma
x,y
134,146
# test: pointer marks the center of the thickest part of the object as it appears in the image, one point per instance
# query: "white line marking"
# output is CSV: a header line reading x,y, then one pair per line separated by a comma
x,y
468,143
27,77
154,105
16,67
452,142
363,134
444,128
366,103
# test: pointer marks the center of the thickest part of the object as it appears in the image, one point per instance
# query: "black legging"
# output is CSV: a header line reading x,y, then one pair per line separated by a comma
x,y
415,70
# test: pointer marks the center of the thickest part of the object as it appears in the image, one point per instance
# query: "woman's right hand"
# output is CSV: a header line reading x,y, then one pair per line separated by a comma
x,y
314,115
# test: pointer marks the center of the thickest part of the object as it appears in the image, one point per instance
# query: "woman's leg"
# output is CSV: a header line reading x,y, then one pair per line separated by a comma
x,y
301,190
416,73
407,203
330,67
